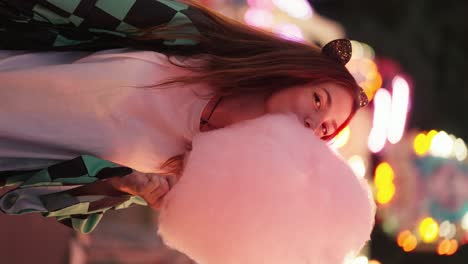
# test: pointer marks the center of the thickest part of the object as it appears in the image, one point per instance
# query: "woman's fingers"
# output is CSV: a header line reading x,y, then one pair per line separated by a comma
x,y
149,186
155,196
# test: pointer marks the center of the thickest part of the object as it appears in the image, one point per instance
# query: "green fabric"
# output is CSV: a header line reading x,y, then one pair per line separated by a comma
x,y
87,225
63,24
87,25
94,164
66,206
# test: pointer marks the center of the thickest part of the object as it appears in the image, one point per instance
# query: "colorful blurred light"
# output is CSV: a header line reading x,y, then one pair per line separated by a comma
x,y
289,31
443,247
382,107
370,79
384,174
410,243
367,66
447,247
385,194
357,165
428,230
447,230
342,138
383,181
373,261
431,134
390,224
464,239
459,149
260,3
407,241
368,51
402,236
442,145
400,103
358,51
421,144
453,247
464,222
360,260
295,8
258,17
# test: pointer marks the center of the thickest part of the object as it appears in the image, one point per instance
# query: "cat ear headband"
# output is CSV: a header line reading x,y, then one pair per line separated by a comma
x,y
340,50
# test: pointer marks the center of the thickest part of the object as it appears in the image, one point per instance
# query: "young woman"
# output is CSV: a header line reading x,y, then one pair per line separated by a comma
x,y
131,82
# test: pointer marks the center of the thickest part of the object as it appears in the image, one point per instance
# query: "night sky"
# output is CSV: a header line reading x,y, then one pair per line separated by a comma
x,y
429,39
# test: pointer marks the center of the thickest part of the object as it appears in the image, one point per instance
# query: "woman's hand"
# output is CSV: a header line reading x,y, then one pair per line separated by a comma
x,y
151,187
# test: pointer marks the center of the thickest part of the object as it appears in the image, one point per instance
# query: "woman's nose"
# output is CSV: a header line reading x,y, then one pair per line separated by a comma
x,y
314,125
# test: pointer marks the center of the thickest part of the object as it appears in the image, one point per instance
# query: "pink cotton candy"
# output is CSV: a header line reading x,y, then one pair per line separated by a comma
x,y
266,191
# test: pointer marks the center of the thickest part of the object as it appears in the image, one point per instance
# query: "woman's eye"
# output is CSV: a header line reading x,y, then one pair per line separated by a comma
x,y
324,130
318,103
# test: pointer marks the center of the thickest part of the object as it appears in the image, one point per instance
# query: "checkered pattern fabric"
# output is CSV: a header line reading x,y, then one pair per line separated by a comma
x,y
87,25
76,24
74,208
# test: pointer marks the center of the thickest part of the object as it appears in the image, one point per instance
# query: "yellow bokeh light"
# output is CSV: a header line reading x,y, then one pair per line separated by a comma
x,y
428,230
342,138
384,175
430,135
453,247
376,83
421,144
447,247
410,243
385,193
444,247
366,65
402,237
373,261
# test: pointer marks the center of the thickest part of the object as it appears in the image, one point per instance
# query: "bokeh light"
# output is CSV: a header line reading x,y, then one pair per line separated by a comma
x,y
407,241
360,260
342,138
447,247
421,144
410,243
357,165
447,230
428,230
464,222
431,134
289,31
459,149
385,194
443,247
382,107
383,181
441,145
384,174
358,51
400,93
402,236
464,239
295,8
453,247
258,17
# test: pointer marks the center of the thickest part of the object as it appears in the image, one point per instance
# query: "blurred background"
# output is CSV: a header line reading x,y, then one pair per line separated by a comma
x,y
411,58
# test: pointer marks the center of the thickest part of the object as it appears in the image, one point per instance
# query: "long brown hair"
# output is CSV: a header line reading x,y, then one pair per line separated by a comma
x,y
241,59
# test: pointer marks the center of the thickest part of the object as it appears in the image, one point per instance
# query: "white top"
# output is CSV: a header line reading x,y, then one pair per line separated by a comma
x,y
58,105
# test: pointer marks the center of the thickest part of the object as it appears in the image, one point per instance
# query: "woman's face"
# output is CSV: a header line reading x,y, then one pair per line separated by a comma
x,y
320,107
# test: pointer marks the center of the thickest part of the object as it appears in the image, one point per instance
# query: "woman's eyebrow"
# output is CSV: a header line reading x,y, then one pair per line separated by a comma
x,y
329,99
